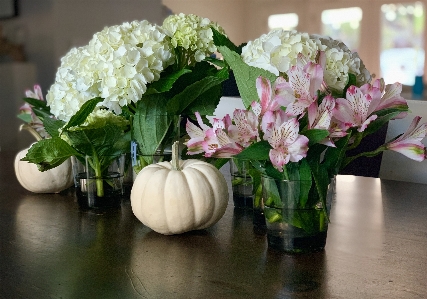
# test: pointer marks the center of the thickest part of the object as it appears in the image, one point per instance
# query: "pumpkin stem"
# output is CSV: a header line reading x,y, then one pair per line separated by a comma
x,y
175,156
31,130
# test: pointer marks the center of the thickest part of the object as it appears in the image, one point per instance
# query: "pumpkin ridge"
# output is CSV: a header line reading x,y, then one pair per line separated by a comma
x,y
215,202
199,172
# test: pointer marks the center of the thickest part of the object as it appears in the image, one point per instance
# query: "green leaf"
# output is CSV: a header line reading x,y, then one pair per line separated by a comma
x,y
379,122
217,62
220,162
151,123
52,126
206,103
81,115
305,176
165,83
245,75
39,107
335,155
256,151
321,179
25,117
49,153
98,141
181,101
42,105
222,40
315,135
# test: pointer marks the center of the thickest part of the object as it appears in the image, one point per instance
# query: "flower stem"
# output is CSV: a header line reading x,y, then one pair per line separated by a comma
x,y
31,130
175,156
98,176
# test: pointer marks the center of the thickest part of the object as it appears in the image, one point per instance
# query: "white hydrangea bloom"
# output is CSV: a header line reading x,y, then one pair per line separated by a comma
x,y
192,33
278,50
116,65
340,61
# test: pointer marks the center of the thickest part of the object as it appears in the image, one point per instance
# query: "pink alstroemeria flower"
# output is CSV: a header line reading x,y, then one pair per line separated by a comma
x,y
409,144
287,144
197,135
384,97
212,141
37,94
305,82
320,116
271,97
245,129
353,110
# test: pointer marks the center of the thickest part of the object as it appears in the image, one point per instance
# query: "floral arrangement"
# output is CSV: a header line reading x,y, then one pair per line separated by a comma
x,y
32,113
129,83
309,101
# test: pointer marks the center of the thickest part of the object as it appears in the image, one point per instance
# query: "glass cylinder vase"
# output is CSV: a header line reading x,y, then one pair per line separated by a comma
x,y
241,183
296,216
99,181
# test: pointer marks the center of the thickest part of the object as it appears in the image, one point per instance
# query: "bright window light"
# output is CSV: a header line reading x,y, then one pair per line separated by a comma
x,y
287,21
343,24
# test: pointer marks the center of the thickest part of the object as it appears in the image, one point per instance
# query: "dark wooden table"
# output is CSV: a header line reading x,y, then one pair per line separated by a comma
x,y
376,248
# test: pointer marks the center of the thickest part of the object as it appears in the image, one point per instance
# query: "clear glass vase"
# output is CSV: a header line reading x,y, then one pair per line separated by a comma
x,y
99,181
296,216
241,184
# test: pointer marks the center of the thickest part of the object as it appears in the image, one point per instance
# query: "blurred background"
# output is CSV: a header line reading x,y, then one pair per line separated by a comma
x,y
34,34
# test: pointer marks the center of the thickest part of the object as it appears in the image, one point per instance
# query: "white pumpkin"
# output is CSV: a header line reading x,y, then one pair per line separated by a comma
x,y
50,181
179,196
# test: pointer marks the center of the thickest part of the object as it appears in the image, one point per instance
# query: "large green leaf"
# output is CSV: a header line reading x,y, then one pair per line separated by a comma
x,y
98,141
52,126
181,101
256,151
166,82
151,123
206,103
222,40
245,75
315,135
81,115
49,153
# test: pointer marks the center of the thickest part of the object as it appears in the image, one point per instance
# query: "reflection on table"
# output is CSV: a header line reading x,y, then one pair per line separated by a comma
x,y
376,248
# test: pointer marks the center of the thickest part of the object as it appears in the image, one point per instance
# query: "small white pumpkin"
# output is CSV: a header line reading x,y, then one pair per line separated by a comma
x,y
179,196
50,181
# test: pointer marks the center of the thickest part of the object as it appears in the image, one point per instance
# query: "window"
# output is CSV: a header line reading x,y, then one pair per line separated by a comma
x,y
287,21
402,40
343,24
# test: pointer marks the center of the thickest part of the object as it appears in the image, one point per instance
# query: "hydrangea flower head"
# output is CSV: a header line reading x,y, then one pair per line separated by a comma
x,y
116,65
192,33
278,51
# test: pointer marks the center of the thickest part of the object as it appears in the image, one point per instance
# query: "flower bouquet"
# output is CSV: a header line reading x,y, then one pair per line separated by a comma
x,y
131,82
309,102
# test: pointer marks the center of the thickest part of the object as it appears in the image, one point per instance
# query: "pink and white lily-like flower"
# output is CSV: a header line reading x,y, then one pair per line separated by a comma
x,y
35,123
197,134
385,96
214,142
409,144
305,82
353,111
271,98
245,129
288,145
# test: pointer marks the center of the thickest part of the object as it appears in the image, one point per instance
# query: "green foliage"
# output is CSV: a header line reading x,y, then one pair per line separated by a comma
x,y
110,139
49,153
245,75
